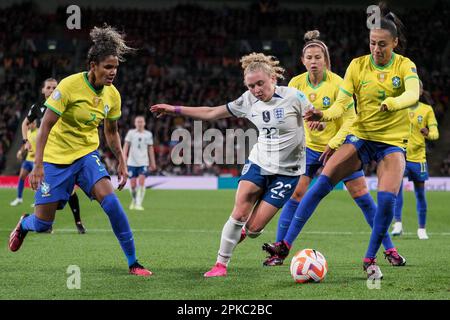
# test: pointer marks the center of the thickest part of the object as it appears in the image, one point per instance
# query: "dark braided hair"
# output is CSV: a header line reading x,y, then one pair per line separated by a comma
x,y
107,42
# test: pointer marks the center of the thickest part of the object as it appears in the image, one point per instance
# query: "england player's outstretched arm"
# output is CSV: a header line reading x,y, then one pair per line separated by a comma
x,y
201,113
48,121
113,139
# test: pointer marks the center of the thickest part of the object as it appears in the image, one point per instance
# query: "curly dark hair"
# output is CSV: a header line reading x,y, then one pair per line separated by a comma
x,y
107,42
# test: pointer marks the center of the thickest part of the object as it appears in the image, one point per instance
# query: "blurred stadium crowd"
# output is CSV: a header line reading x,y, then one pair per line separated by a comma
x,y
190,55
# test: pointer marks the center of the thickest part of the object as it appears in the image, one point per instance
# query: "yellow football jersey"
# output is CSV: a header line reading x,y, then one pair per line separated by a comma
x,y
374,85
322,97
31,136
81,109
421,116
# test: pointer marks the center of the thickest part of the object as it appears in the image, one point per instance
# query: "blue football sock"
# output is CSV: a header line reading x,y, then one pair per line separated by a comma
x,y
399,205
33,223
120,226
20,188
306,207
421,205
287,213
369,209
381,222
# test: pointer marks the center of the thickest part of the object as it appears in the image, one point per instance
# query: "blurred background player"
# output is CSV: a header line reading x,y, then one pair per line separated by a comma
x,y
423,126
275,162
35,114
321,86
385,84
28,148
67,142
139,153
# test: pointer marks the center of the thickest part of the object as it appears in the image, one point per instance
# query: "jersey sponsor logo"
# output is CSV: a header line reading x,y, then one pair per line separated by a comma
x,y
326,101
411,115
279,113
381,77
413,69
396,82
45,189
363,83
106,110
354,138
254,115
42,109
312,97
56,95
266,116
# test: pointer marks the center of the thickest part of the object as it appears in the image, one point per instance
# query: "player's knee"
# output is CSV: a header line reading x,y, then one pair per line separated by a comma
x,y
358,190
359,193
253,234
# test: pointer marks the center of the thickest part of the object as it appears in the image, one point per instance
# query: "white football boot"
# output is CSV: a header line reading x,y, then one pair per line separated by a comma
x,y
16,202
397,229
422,234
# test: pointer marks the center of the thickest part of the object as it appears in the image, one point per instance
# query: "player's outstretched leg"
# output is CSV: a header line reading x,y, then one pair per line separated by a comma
x,y
122,230
305,209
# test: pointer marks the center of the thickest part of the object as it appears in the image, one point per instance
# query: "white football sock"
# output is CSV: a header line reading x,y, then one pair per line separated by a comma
x,y
231,233
140,195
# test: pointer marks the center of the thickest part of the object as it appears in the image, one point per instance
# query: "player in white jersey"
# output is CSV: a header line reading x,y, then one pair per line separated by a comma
x,y
139,153
276,160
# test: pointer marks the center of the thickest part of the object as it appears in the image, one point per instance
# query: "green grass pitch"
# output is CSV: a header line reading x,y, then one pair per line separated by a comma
x,y
177,237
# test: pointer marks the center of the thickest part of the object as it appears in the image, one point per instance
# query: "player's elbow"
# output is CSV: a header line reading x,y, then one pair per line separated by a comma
x,y
212,114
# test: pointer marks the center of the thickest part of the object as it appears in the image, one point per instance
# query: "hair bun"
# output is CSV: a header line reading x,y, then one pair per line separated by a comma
x,y
312,35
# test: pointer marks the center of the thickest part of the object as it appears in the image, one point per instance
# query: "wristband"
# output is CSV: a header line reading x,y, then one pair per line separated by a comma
x,y
178,109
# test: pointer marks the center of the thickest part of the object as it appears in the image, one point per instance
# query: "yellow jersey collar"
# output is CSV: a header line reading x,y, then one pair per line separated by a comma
x,y
320,83
391,61
85,77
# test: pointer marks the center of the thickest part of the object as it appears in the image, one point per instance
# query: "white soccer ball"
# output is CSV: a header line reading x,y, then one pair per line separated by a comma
x,y
308,265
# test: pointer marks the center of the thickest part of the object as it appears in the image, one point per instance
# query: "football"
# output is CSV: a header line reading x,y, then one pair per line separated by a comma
x,y
308,265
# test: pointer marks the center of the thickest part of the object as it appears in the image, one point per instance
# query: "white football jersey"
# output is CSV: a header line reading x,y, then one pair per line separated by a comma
x,y
281,140
138,152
